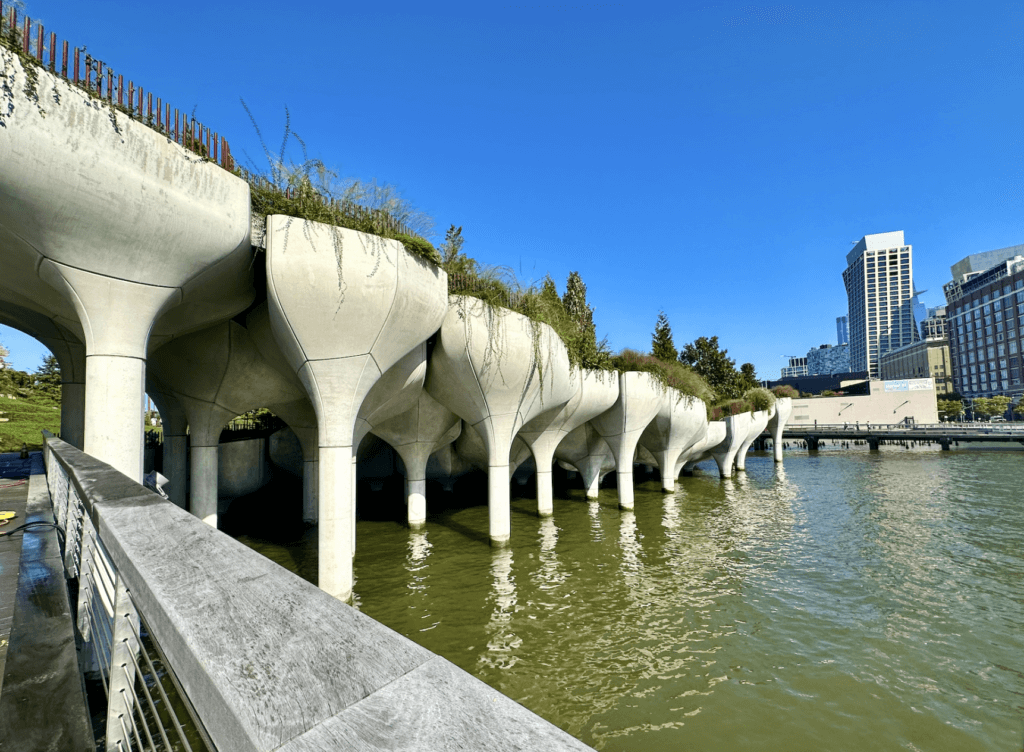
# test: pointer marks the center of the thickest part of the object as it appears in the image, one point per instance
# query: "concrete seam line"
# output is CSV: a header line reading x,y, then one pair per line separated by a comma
x,y
127,357
272,287
108,276
391,307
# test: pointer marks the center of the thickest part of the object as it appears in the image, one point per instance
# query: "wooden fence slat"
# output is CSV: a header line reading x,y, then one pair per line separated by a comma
x,y
39,43
53,51
75,79
64,64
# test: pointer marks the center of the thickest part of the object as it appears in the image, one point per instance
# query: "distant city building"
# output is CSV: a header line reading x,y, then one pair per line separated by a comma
x,y
984,307
842,330
920,360
919,309
934,324
826,360
797,367
879,288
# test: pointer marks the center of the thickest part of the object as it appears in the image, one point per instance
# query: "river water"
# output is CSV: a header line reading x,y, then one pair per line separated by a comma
x,y
848,600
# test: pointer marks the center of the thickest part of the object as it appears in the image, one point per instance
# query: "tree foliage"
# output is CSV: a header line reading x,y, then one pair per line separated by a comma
x,y
713,364
662,346
46,379
990,407
949,408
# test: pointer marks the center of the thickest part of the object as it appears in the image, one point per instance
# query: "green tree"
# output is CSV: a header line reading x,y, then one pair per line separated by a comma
x,y
453,260
593,354
748,377
662,346
4,355
714,365
949,408
990,407
46,379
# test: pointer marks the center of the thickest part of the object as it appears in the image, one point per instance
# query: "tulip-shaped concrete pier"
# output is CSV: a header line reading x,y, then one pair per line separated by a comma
x,y
497,370
344,308
596,392
415,435
621,425
758,422
681,421
737,429
585,450
216,374
702,449
777,424
175,428
124,224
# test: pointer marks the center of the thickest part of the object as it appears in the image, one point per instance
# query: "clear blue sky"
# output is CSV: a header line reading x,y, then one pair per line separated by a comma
x,y
713,161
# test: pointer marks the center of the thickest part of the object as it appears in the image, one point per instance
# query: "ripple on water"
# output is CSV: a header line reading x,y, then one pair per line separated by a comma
x,y
847,601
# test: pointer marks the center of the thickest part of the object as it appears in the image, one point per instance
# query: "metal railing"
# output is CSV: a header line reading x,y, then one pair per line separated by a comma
x,y
93,76
146,709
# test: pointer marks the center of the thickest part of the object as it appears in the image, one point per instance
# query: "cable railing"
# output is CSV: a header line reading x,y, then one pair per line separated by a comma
x,y
146,709
91,75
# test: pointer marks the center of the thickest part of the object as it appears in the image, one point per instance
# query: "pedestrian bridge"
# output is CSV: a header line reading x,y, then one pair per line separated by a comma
x,y
943,434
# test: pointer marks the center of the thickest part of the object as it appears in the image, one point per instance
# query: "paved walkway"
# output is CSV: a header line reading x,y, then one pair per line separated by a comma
x,y
42,698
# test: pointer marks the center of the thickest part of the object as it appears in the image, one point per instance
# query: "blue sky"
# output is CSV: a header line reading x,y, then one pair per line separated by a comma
x,y
714,161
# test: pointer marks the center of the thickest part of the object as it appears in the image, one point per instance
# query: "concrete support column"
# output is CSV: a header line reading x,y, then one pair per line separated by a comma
x,y
594,486
114,401
499,505
176,467
416,501
667,463
310,473
944,442
872,443
334,532
624,481
204,484
117,317
812,444
72,413
545,493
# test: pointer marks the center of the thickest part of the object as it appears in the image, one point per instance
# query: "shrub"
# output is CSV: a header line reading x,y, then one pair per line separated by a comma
x,y
785,390
674,374
759,398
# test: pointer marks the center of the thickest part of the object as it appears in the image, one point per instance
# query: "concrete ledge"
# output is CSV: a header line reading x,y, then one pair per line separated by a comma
x,y
271,661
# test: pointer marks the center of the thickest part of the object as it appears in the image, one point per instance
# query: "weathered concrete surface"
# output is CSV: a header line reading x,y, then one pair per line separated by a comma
x,y
344,308
175,426
777,424
42,699
339,681
621,425
681,421
118,271
701,450
241,469
416,434
758,422
596,391
584,449
215,374
497,370
737,428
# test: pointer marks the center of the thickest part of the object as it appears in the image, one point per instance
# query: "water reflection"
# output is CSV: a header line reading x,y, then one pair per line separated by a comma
x,y
502,641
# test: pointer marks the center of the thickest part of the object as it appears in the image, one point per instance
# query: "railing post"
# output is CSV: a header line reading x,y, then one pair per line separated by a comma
x,y
121,699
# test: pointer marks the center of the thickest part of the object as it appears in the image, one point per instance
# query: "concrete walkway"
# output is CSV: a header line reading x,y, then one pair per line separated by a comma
x,y
42,700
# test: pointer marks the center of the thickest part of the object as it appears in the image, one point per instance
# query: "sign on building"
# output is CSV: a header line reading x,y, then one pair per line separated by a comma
x,y
909,385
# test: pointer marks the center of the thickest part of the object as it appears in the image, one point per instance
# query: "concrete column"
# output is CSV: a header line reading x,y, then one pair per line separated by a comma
x,y
777,424
117,317
624,480
416,501
758,422
334,526
499,506
176,467
594,486
204,484
872,443
310,475
545,494
72,413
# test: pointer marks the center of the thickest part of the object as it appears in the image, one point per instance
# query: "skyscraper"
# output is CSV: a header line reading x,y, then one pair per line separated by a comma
x,y
879,287
843,330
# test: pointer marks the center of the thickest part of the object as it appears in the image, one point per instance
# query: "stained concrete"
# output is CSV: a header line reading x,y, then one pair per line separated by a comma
x,y
640,398
497,370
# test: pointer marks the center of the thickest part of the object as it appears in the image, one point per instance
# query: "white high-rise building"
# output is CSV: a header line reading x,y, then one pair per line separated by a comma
x,y
879,280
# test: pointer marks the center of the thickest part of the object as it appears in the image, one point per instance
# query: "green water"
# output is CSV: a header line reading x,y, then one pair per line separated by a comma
x,y
848,601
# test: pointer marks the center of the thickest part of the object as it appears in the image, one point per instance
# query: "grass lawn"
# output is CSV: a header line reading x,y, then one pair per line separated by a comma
x,y
26,420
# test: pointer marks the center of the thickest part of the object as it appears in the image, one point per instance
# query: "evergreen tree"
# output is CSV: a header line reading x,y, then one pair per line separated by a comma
x,y
453,260
712,363
748,377
47,377
662,346
592,354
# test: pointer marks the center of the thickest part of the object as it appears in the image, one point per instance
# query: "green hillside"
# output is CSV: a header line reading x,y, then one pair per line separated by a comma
x,y
26,419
